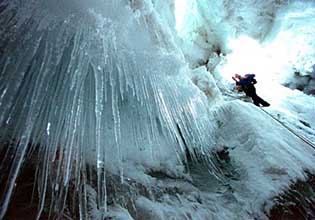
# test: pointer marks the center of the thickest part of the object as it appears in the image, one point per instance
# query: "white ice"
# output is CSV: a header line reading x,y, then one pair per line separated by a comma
x,y
123,104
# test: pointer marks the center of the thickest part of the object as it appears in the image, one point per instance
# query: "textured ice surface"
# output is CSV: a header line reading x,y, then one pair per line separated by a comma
x,y
208,25
98,97
93,84
286,55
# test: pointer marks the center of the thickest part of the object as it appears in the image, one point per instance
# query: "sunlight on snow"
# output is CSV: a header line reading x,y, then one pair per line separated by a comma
x,y
272,61
184,10
249,56
180,10
291,49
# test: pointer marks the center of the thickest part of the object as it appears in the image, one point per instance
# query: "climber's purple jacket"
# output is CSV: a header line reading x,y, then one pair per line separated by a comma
x,y
249,78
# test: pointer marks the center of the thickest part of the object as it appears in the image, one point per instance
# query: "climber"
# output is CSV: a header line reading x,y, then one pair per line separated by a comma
x,y
246,84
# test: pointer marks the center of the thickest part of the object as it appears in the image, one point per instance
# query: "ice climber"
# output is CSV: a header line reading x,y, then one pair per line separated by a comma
x,y
246,84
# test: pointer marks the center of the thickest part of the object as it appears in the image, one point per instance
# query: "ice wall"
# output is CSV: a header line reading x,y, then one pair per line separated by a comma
x,y
292,44
285,56
96,85
207,26
91,89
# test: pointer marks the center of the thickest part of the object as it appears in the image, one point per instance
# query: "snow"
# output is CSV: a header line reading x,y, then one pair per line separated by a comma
x,y
206,26
288,49
289,106
206,83
263,163
267,154
265,157
126,105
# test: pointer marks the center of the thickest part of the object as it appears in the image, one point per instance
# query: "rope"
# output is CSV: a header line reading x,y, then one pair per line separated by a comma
x,y
281,123
291,130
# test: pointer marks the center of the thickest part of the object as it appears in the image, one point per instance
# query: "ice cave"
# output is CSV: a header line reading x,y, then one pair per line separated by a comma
x,y
127,110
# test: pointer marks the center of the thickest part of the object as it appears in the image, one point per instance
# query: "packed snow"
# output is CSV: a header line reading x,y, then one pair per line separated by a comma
x,y
126,108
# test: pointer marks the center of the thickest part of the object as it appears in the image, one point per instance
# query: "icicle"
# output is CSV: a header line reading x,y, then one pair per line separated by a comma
x,y
78,89
100,160
15,169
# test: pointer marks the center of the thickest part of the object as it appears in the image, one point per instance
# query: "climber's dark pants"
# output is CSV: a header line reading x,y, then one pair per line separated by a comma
x,y
251,92
257,100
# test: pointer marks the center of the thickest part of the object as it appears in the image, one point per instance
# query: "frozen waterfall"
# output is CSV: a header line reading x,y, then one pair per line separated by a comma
x,y
92,85
115,109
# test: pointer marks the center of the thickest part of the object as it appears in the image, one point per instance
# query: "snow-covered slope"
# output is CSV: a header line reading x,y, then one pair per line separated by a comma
x,y
257,157
266,155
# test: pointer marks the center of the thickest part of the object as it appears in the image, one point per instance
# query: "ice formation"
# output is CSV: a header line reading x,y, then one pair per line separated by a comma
x,y
101,99
92,85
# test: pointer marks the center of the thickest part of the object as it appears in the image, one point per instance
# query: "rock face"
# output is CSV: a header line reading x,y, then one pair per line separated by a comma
x,y
297,202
